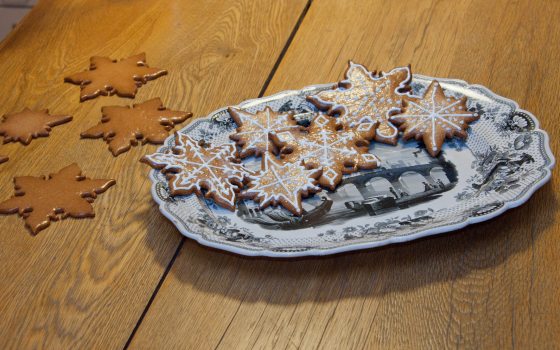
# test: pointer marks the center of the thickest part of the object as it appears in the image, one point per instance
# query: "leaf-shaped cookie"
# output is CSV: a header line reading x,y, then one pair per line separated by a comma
x,y
434,117
27,125
326,147
255,129
282,183
367,97
192,168
122,126
108,77
40,200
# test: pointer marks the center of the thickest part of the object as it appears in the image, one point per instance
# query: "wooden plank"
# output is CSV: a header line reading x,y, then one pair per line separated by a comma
x,y
493,285
85,283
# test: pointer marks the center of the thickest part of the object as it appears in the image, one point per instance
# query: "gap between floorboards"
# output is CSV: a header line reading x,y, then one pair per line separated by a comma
x,y
180,245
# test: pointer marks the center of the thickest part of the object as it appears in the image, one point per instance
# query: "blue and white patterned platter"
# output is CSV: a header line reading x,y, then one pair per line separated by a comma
x,y
504,160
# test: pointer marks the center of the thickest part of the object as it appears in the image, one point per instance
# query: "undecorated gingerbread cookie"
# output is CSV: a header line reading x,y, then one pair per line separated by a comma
x,y
40,200
254,130
434,117
367,97
122,126
108,77
192,167
327,146
27,125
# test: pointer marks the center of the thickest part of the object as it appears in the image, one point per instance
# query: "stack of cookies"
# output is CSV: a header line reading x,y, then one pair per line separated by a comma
x,y
297,161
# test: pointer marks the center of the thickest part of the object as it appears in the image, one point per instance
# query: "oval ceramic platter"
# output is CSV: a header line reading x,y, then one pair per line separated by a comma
x,y
505,158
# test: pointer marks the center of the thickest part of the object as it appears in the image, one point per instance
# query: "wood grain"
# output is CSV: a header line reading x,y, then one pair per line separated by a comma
x,y
85,283
491,285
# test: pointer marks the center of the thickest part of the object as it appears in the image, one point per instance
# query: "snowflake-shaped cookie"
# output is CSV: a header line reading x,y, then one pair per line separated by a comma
x,y
254,130
191,167
324,146
108,77
434,117
28,125
67,193
282,183
367,97
122,126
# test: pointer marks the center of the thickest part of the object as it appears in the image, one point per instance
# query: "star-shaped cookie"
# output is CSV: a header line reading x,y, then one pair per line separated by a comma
x,y
192,168
27,125
122,126
40,200
255,129
434,117
328,147
367,97
281,183
108,77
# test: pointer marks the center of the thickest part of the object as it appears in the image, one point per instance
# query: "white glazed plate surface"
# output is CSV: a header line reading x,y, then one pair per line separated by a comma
x,y
504,160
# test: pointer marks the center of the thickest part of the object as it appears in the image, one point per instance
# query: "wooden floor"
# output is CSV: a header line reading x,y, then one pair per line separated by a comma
x,y
128,279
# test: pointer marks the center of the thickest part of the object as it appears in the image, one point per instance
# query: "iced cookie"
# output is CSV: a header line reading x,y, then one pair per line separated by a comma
x,y
327,146
191,168
282,183
254,130
40,200
27,125
108,77
367,97
123,127
434,117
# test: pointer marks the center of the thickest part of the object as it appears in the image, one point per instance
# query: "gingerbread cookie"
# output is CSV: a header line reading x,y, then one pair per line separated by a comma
x,y
327,147
282,183
108,77
3,159
192,168
123,127
254,130
367,97
40,200
27,125
434,117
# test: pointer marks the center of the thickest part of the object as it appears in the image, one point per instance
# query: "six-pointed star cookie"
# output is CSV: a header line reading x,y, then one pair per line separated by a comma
x,y
367,97
108,77
324,146
254,130
434,117
122,126
40,200
282,183
191,167
27,125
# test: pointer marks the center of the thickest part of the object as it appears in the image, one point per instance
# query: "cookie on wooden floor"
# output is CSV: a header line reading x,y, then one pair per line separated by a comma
x,y
40,200
147,122
108,77
28,125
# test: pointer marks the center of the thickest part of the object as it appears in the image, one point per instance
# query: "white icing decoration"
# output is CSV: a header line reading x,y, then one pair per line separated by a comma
x,y
210,168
